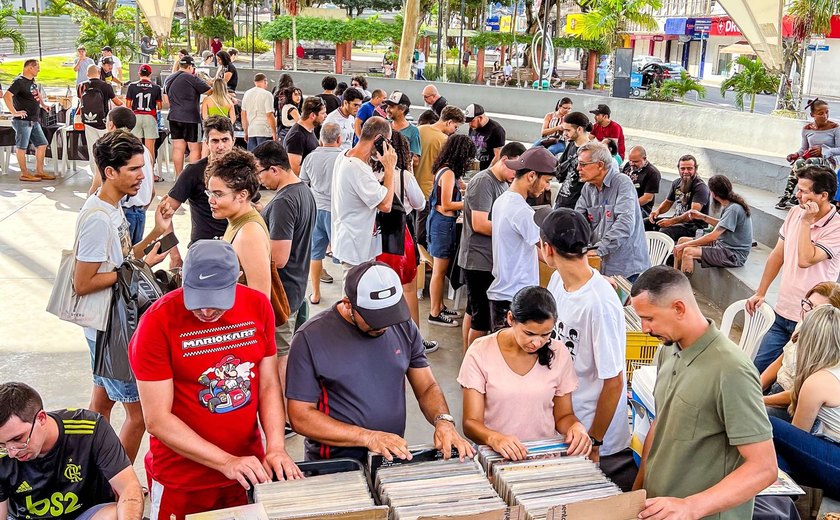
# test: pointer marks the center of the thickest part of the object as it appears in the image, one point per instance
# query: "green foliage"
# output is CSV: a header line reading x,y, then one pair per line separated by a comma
x,y
178,31
356,7
497,39
57,8
310,28
661,92
576,42
126,15
10,33
94,34
243,45
432,73
211,26
609,20
812,17
685,84
752,79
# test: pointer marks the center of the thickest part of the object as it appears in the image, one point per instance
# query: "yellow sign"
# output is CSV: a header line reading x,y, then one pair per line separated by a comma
x,y
504,24
574,24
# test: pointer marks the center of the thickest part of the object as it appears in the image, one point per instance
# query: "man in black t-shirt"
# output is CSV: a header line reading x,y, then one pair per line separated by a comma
x,y
487,135
23,99
576,128
65,464
95,96
329,83
182,92
190,186
687,193
301,140
646,179
145,98
432,98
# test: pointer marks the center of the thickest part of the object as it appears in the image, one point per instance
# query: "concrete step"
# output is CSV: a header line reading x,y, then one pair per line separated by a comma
x,y
726,285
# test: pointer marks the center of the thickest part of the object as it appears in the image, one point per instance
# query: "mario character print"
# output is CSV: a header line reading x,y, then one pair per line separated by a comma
x,y
228,385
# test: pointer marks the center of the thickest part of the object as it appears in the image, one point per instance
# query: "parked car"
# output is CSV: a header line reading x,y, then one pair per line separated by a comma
x,y
656,73
318,50
640,61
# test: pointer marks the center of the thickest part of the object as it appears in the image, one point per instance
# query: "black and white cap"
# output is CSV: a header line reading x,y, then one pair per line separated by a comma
x,y
474,110
375,292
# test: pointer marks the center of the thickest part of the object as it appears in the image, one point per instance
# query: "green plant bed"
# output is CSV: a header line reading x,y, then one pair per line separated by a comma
x,y
243,45
53,72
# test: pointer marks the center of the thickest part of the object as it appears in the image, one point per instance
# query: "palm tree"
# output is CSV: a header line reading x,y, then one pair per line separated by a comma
x,y
752,79
685,84
609,20
809,17
95,34
10,33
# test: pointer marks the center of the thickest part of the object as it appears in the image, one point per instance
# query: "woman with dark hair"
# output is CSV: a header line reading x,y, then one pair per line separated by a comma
x,y
820,146
288,113
340,88
518,382
232,183
729,244
445,202
227,71
551,136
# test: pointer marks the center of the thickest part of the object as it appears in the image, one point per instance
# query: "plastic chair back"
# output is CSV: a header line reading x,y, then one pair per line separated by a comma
x,y
660,246
755,326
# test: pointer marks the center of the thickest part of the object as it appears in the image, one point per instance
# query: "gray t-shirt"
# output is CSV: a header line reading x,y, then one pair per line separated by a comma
x,y
476,251
290,215
738,236
354,378
184,91
317,172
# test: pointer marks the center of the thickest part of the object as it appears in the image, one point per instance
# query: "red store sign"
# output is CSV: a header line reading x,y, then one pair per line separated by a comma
x,y
724,26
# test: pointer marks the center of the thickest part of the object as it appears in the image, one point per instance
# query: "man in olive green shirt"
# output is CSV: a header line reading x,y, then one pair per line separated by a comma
x,y
710,450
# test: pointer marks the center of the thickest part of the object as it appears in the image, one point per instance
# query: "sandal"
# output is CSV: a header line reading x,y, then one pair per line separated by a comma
x,y
313,302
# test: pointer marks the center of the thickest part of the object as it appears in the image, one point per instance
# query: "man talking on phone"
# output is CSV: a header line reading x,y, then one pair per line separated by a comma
x,y
357,195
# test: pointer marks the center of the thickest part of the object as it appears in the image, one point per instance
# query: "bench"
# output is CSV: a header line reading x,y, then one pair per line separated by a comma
x,y
312,65
360,67
563,75
523,77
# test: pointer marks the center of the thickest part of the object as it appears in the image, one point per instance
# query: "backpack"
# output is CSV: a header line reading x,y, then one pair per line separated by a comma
x,y
93,105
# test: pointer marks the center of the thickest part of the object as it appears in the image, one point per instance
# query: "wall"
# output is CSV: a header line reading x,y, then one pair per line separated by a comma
x,y
57,34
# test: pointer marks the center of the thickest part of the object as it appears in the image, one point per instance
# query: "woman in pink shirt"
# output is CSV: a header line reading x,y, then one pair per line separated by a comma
x,y
518,382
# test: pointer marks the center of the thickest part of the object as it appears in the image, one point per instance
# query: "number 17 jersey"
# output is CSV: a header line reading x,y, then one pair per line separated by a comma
x,y
145,97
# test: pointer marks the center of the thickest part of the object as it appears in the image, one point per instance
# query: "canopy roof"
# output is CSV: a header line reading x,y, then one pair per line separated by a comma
x,y
760,22
159,14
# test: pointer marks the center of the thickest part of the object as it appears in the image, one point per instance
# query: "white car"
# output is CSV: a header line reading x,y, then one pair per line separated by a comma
x,y
640,61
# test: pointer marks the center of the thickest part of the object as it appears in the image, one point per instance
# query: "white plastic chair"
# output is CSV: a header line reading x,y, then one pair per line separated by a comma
x,y
660,246
755,326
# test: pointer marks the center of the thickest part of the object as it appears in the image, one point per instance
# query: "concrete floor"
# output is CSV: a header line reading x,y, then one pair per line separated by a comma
x,y
37,221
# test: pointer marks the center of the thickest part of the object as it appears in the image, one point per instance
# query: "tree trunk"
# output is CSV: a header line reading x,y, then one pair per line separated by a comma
x,y
479,65
295,43
411,24
590,69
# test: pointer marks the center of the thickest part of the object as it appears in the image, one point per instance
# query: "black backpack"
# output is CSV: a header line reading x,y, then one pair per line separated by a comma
x,y
93,105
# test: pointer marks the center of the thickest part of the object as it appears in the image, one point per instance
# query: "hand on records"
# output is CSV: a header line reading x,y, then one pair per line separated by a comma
x,y
447,438
246,470
578,440
508,446
280,464
388,445
662,508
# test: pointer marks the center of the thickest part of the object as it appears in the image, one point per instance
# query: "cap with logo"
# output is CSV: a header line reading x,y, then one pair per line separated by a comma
x,y
107,48
565,229
145,69
107,60
186,60
398,98
536,159
474,110
601,109
210,272
375,292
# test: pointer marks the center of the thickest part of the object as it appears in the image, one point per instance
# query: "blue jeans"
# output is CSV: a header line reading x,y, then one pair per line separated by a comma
x,y
136,217
773,342
811,461
253,142
555,149
420,75
118,391
28,132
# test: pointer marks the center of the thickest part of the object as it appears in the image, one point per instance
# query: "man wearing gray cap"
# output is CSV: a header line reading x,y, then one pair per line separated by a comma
x,y
515,235
204,357
347,372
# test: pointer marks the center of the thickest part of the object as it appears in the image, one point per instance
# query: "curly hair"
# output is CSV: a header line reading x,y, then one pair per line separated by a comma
x,y
457,154
400,144
238,170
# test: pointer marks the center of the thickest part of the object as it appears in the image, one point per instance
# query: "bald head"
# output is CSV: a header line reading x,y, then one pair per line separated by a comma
x,y
637,157
430,94
93,71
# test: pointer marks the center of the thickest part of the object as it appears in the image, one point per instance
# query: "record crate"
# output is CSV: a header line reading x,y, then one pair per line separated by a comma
x,y
641,348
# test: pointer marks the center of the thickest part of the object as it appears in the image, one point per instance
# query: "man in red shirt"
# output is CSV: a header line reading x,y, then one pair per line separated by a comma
x,y
605,128
206,366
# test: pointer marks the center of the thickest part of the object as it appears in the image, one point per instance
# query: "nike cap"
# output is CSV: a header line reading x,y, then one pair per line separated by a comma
x,y
210,272
375,292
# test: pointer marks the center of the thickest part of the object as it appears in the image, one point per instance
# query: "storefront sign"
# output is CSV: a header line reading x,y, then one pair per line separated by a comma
x,y
574,24
679,26
658,38
492,23
724,26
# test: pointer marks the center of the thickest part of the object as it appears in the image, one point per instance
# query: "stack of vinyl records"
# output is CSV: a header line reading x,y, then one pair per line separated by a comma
x,y
450,487
623,287
633,321
644,380
538,485
539,449
318,495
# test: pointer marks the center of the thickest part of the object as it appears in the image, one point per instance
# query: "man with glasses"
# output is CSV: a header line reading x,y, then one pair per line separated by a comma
x,y
609,202
301,140
432,98
347,372
66,464
190,186
345,115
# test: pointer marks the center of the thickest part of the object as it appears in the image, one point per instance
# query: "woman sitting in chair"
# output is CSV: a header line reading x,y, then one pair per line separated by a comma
x,y
777,379
731,240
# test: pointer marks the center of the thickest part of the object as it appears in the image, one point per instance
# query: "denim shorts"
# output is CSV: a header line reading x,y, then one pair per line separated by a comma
x,y
28,132
118,391
440,231
321,234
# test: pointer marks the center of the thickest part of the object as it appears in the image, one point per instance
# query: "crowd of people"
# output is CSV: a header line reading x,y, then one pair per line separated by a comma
x,y
237,359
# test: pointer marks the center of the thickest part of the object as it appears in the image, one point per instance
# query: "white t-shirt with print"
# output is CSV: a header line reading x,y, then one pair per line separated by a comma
x,y
590,323
355,195
347,124
103,237
257,103
515,235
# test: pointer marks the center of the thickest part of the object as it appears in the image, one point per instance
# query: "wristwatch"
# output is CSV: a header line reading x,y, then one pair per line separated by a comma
x,y
595,442
444,417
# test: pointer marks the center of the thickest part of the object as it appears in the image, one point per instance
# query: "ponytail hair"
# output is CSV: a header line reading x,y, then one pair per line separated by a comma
x,y
721,186
535,303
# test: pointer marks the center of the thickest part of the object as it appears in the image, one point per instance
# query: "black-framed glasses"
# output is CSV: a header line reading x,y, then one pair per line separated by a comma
x,y
6,448
263,170
587,163
806,304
